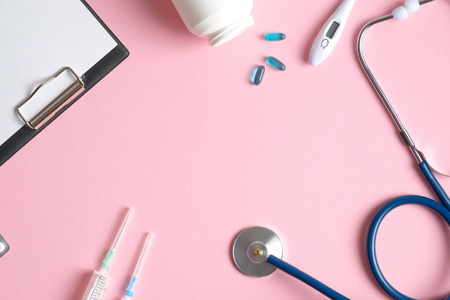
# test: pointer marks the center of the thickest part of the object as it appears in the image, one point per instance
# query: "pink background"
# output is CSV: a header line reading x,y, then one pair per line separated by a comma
x,y
179,133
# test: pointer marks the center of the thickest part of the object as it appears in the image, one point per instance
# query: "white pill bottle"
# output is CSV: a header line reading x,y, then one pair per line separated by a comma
x,y
217,20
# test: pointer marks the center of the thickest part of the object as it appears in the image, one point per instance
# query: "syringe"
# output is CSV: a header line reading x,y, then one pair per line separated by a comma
x,y
99,280
138,269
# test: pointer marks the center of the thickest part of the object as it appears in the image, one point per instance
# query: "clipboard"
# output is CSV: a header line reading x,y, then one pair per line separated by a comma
x,y
80,83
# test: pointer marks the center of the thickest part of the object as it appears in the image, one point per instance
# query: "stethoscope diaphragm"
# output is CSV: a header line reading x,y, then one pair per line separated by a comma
x,y
251,249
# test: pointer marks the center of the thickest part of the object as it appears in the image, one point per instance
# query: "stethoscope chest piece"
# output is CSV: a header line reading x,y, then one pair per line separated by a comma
x,y
251,249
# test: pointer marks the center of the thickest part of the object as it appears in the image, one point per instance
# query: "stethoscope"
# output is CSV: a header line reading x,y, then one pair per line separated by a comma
x,y
258,251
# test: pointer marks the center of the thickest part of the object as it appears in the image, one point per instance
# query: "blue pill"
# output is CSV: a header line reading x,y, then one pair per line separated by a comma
x,y
271,37
258,75
276,63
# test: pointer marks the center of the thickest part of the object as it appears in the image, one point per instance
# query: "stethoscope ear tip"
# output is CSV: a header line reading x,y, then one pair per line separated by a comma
x,y
251,249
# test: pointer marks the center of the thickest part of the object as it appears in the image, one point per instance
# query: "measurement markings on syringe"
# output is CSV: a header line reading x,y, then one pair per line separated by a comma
x,y
99,288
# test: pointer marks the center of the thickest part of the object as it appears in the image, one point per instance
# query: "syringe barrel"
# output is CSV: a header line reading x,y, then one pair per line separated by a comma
x,y
96,287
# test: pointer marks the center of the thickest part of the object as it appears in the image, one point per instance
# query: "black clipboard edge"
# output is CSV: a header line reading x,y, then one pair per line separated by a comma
x,y
102,68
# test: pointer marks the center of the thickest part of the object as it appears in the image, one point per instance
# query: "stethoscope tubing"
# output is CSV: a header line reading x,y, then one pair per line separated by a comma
x,y
444,212
302,276
435,185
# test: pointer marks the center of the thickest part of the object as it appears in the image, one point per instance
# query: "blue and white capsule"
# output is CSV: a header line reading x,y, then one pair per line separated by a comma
x,y
276,63
273,37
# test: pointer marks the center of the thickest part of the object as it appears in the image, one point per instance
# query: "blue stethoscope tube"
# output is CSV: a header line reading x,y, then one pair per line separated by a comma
x,y
302,276
444,212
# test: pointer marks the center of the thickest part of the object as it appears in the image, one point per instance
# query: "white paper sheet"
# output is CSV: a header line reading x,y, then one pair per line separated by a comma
x,y
38,38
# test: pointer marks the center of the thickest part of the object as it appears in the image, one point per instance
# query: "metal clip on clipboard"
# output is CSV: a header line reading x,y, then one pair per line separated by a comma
x,y
56,104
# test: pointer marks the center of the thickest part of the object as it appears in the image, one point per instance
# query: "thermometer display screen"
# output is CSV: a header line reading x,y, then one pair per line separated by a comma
x,y
332,30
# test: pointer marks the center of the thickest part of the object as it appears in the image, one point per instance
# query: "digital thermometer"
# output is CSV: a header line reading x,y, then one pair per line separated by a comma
x,y
330,33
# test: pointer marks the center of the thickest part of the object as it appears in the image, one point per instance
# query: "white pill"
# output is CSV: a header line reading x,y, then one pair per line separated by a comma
x,y
412,5
2,247
400,13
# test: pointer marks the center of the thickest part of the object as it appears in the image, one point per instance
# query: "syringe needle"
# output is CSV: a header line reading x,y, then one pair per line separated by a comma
x,y
138,268
143,256
119,234
110,255
99,280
